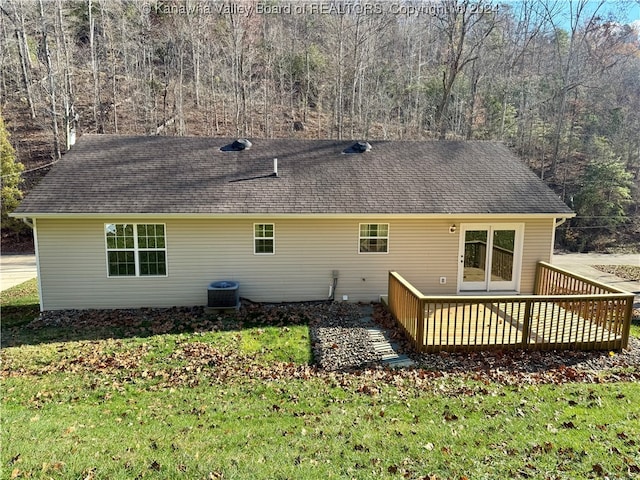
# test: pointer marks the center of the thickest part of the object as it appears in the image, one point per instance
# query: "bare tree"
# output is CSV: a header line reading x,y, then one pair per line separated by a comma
x,y
17,18
46,53
465,31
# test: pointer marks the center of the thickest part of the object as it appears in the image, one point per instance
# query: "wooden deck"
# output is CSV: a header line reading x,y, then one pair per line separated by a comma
x,y
493,324
566,312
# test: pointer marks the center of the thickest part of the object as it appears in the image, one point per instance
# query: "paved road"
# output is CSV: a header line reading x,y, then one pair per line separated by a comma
x,y
15,269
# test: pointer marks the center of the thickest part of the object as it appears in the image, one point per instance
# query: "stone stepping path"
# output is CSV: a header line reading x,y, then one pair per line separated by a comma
x,y
387,350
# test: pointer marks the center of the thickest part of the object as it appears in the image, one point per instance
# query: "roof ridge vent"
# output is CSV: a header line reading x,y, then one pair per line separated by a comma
x,y
358,147
237,145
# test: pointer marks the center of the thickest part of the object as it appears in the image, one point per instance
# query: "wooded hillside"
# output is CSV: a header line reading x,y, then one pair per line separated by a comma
x,y
558,81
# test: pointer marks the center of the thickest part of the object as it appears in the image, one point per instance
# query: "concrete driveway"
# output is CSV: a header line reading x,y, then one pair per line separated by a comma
x,y
581,263
15,269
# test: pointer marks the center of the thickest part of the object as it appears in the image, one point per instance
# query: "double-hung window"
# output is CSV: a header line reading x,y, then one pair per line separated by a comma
x,y
136,250
264,239
374,238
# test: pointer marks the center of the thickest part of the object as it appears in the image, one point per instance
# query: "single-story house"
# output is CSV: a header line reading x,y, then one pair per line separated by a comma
x,y
136,221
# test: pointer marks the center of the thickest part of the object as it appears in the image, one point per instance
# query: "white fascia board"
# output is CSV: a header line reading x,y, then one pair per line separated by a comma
x,y
449,216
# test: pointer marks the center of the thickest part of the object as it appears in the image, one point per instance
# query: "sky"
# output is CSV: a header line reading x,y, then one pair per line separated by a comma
x,y
624,11
628,11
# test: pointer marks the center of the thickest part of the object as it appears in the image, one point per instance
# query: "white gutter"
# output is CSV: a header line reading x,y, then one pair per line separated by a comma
x,y
268,215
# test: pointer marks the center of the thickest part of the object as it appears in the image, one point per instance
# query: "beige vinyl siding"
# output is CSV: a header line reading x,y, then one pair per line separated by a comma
x,y
73,264
538,247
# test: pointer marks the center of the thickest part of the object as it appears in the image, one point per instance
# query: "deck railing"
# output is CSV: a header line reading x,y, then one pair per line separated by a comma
x,y
567,311
501,258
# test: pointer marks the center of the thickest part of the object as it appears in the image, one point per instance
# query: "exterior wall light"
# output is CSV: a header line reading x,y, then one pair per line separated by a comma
x,y
453,228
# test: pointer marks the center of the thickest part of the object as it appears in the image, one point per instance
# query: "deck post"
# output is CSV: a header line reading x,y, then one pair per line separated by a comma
x,y
526,324
538,279
419,340
627,321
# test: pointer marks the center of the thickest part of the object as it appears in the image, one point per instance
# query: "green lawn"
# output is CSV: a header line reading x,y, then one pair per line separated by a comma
x,y
242,401
20,304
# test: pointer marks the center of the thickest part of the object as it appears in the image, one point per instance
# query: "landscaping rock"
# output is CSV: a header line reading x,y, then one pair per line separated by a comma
x,y
340,339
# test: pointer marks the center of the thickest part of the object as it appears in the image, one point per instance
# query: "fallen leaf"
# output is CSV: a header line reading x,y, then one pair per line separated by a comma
x,y
89,473
450,417
55,466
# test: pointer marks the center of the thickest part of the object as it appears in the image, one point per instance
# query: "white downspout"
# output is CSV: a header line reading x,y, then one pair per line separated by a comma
x,y
32,225
556,224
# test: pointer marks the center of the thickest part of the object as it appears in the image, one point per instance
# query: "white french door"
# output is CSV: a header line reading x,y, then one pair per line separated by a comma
x,y
490,257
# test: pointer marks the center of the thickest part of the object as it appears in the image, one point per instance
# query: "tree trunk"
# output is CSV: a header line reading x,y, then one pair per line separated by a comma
x,y
25,60
94,69
52,86
68,97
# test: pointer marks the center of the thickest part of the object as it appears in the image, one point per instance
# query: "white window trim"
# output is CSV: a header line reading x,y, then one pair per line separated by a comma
x,y
136,250
360,238
272,238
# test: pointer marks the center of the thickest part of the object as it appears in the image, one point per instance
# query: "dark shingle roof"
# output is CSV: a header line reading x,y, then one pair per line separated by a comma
x,y
132,174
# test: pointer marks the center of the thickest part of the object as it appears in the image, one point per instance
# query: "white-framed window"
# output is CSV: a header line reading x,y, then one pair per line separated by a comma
x,y
264,240
136,249
374,238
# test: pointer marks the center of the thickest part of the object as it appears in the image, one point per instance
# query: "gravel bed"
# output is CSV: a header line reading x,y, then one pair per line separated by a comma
x,y
520,361
340,340
127,322
627,272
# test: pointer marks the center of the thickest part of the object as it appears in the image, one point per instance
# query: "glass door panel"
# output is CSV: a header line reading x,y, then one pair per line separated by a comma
x,y
503,247
504,242
475,260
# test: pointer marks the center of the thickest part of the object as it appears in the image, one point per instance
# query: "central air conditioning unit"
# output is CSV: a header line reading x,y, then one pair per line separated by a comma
x,y
223,295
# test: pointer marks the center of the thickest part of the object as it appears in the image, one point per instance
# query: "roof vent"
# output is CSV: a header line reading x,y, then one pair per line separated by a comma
x,y
237,145
358,147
